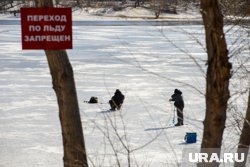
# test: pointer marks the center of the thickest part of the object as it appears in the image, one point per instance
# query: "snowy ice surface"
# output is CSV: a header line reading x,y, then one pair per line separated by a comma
x,y
145,62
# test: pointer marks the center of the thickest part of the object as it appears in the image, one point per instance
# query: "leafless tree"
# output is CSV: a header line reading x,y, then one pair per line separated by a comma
x,y
244,142
159,6
218,76
64,86
235,7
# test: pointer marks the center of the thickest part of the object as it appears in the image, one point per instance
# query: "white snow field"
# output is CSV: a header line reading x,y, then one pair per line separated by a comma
x,y
145,62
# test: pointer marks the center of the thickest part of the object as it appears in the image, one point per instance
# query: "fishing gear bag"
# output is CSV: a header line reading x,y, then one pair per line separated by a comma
x,y
93,100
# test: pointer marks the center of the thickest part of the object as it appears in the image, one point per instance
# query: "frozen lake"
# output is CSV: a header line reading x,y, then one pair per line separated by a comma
x,y
145,62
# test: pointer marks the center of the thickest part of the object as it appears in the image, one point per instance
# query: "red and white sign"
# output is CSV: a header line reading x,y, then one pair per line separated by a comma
x,y
46,28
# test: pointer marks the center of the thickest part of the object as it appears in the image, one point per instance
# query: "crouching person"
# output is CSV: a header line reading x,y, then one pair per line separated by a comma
x,y
117,100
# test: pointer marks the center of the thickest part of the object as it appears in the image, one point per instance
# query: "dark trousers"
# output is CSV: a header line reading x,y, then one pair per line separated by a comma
x,y
113,105
180,118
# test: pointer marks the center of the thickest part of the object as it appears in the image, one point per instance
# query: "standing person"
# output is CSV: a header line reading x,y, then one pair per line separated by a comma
x,y
117,100
179,104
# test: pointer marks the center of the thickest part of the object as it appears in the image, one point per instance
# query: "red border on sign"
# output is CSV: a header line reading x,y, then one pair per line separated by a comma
x,y
46,28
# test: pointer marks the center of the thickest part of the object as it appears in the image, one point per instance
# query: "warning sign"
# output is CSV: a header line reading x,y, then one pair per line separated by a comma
x,y
46,28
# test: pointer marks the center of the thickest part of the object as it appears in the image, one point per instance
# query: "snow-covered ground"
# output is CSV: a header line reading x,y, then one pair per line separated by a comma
x,y
129,13
145,62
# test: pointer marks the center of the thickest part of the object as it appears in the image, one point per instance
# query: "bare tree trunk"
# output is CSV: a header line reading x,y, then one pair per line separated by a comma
x,y
218,76
88,3
244,142
137,3
64,86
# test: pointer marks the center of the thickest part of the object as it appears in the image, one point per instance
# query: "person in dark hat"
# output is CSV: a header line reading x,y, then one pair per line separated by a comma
x,y
117,100
179,104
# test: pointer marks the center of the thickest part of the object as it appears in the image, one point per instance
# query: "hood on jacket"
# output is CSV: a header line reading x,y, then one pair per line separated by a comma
x,y
177,91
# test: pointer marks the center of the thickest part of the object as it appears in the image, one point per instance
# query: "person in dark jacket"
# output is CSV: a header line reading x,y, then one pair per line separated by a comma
x,y
179,104
117,100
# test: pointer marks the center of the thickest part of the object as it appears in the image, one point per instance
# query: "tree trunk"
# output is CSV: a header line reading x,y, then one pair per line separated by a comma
x,y
137,3
244,142
88,3
64,86
218,76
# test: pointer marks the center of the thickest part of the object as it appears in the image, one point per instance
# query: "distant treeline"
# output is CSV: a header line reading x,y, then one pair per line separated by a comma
x,y
229,7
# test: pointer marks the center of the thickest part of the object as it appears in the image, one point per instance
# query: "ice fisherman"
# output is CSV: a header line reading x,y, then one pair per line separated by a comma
x,y
117,100
179,104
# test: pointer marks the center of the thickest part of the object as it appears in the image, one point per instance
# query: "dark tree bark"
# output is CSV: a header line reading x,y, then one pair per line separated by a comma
x,y
244,142
137,3
88,3
218,75
64,86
